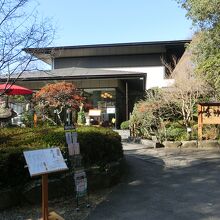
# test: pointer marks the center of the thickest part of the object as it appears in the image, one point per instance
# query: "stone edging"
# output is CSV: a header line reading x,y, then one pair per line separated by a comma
x,y
205,144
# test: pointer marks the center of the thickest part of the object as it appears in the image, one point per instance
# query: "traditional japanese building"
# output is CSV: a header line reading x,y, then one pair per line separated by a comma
x,y
112,76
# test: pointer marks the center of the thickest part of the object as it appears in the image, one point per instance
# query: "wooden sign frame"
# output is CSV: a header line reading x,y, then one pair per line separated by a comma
x,y
208,113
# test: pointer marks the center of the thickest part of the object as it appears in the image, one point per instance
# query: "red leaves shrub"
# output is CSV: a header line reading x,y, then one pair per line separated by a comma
x,y
59,94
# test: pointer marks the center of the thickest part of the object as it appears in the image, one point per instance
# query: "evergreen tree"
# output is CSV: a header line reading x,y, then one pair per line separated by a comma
x,y
205,46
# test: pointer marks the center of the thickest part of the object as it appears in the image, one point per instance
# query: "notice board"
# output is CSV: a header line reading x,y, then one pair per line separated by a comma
x,y
44,161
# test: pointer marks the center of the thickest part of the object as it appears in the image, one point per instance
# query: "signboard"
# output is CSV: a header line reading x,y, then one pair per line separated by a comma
x,y
73,149
71,137
208,113
94,112
44,161
111,110
80,182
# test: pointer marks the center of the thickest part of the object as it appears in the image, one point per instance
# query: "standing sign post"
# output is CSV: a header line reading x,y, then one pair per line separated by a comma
x,y
42,162
80,180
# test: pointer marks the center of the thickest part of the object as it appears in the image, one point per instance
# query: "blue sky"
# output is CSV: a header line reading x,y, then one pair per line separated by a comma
x,y
81,22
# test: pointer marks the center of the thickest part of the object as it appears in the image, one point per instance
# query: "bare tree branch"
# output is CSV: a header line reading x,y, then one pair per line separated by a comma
x,y
187,87
18,30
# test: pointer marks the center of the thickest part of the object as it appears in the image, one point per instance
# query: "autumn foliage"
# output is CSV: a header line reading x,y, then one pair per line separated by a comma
x,y
54,99
59,94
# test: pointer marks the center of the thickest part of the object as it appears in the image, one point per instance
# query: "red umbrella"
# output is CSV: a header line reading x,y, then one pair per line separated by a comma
x,y
14,89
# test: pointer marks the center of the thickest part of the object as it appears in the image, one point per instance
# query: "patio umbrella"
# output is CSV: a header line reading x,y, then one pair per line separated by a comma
x,y
14,89
9,89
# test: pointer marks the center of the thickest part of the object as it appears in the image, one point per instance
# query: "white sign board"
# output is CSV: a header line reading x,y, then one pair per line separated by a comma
x,y
44,161
73,149
111,110
80,182
94,112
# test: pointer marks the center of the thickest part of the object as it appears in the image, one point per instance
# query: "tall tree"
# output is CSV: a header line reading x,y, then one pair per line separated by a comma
x,y
205,15
20,28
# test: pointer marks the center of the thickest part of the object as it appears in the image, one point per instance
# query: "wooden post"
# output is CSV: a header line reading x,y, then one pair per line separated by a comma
x,y
126,100
45,196
200,123
35,119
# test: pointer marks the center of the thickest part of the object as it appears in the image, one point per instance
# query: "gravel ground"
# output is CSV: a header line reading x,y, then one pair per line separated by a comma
x,y
165,184
65,207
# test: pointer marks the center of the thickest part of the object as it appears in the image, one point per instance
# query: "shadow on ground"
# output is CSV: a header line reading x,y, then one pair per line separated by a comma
x,y
152,191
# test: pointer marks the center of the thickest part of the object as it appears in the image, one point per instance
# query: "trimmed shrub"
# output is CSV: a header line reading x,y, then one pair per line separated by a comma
x,y
98,146
124,125
176,133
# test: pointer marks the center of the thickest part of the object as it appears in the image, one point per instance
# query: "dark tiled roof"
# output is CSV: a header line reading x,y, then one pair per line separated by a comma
x,y
78,73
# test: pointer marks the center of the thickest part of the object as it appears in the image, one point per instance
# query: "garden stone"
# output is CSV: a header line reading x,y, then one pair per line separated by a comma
x,y
172,144
189,144
123,133
148,143
159,145
156,142
137,140
209,144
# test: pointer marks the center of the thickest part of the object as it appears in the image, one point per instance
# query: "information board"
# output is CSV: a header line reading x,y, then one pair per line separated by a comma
x,y
44,161
80,183
208,113
71,137
73,149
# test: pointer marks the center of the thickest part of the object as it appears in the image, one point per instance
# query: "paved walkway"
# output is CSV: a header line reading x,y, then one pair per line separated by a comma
x,y
165,185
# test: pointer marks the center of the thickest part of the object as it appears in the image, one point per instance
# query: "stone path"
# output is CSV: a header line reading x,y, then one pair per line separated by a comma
x,y
171,158
165,184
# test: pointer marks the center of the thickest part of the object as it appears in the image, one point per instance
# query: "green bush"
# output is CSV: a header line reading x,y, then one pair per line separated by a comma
x,y
98,146
124,125
81,119
174,133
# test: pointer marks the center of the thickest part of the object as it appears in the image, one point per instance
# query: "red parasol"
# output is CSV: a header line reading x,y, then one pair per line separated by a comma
x,y
14,89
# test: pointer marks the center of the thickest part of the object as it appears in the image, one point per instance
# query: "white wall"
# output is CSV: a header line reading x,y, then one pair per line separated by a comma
x,y
155,75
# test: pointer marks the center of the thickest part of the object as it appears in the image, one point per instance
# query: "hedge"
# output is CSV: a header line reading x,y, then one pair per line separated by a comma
x,y
124,125
98,146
